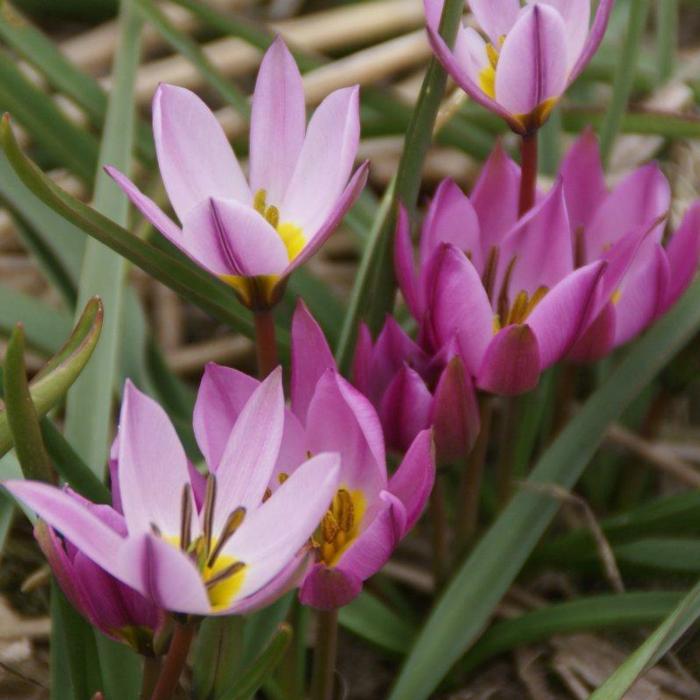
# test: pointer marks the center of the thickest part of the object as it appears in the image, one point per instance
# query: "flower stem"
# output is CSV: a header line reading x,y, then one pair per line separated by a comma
x,y
528,172
323,680
265,342
438,516
174,662
151,672
470,485
506,459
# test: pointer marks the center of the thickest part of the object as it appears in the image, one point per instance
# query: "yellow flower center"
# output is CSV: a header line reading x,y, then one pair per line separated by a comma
x,y
519,310
340,525
292,236
222,574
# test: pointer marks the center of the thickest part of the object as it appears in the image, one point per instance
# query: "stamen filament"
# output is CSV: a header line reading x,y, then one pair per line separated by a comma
x,y
225,573
209,503
186,518
233,522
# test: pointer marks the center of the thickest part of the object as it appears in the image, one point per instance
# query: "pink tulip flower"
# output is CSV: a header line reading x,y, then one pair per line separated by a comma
x,y
631,215
114,608
504,290
370,512
216,559
522,59
413,390
252,233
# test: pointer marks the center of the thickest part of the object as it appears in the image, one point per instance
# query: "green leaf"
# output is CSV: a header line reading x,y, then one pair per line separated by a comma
x,y
51,384
624,75
253,677
483,578
66,143
419,136
369,618
650,652
21,414
216,655
604,612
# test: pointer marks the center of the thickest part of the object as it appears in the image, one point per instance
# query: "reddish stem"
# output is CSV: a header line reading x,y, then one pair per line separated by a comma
x,y
528,172
174,662
265,343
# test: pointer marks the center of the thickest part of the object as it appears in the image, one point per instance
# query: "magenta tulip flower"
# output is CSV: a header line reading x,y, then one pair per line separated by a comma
x,y
114,608
413,390
522,59
631,215
370,512
504,290
216,559
253,233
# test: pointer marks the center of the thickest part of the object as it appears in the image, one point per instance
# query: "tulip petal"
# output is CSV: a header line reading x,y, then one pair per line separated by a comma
x,y
463,77
405,409
598,339
413,480
532,67
252,449
541,246
271,535
577,16
558,320
325,161
683,253
461,307
229,238
152,465
371,549
223,392
643,294
195,158
451,218
277,123
340,419
163,574
495,17
455,414
584,180
327,588
333,218
495,198
595,36
311,357
72,519
511,364
148,208
639,200
404,265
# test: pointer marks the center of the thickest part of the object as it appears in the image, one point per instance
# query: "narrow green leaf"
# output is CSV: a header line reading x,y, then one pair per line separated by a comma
x,y
216,656
21,414
369,618
650,652
604,612
419,136
89,406
666,37
361,290
66,143
624,75
7,512
484,577
189,48
75,668
252,678
51,384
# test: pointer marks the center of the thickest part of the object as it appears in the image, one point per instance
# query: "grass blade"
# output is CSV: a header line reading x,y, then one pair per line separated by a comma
x,y
481,581
664,637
